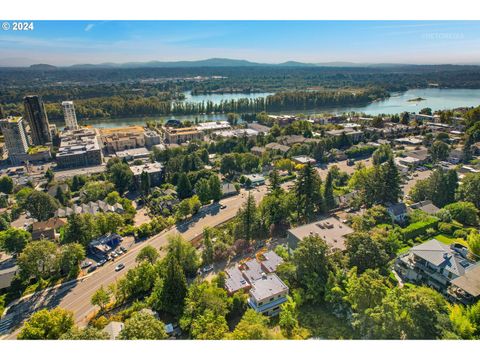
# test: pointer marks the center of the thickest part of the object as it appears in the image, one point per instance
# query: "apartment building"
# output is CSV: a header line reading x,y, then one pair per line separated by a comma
x,y
122,138
79,148
181,135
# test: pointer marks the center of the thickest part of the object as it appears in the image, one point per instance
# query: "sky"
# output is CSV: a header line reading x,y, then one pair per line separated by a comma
x,y
65,43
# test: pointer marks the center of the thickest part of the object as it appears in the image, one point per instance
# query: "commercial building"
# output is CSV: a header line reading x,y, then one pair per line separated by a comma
x,y
181,135
211,126
123,138
255,179
152,138
236,133
16,140
134,154
69,115
154,171
38,120
79,148
330,229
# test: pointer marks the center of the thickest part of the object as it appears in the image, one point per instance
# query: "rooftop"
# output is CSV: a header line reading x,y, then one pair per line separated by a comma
x,y
271,261
332,230
470,281
267,286
426,206
442,256
127,129
148,168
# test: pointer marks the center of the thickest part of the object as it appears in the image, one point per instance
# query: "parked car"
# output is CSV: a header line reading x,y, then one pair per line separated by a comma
x,y
92,268
85,264
114,254
207,268
223,206
119,267
102,262
123,249
119,252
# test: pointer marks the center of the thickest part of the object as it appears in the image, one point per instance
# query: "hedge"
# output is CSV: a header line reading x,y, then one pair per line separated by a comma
x,y
419,228
360,151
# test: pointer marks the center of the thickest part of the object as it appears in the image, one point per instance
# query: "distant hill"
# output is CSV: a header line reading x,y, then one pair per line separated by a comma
x,y
42,67
213,62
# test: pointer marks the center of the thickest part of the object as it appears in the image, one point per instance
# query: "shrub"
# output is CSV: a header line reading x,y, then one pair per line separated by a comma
x,y
419,228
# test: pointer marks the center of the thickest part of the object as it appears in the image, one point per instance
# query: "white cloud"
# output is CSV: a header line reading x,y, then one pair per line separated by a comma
x,y
89,27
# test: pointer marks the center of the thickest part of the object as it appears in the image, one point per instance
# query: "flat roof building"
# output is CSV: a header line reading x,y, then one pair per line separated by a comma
x,y
330,229
122,138
154,171
267,294
181,135
79,148
210,126
134,154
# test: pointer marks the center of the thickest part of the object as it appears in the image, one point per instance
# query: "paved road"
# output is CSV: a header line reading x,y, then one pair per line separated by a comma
x,y
76,297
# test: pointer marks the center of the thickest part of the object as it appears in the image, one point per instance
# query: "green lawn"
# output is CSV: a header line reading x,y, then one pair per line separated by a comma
x,y
447,239
443,238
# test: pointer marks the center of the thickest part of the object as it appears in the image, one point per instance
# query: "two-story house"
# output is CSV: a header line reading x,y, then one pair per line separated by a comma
x,y
435,264
267,294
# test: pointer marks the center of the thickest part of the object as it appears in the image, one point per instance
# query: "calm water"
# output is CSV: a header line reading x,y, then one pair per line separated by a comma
x,y
436,99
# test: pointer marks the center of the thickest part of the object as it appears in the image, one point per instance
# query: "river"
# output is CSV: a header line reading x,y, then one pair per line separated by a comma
x,y
436,99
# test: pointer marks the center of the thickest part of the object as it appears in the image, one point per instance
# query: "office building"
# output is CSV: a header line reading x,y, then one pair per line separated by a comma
x,y
16,140
79,148
38,120
69,115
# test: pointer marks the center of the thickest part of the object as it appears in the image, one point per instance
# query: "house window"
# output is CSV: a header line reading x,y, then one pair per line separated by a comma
x,y
271,299
260,303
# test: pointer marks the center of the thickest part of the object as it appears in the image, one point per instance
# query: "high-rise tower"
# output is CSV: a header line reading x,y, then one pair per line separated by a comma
x,y
69,115
38,120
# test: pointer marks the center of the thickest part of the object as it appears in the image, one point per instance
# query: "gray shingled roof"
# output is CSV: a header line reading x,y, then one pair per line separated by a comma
x,y
442,256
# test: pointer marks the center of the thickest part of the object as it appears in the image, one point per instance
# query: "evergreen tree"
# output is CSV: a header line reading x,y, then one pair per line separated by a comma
x,y
145,183
274,178
184,188
308,193
328,192
390,182
171,295
61,196
207,254
248,217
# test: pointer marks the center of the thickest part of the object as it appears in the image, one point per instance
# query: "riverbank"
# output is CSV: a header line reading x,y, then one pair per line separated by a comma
x,y
436,99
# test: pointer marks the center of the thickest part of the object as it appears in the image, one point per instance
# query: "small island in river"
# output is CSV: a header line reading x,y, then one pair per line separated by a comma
x,y
416,99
